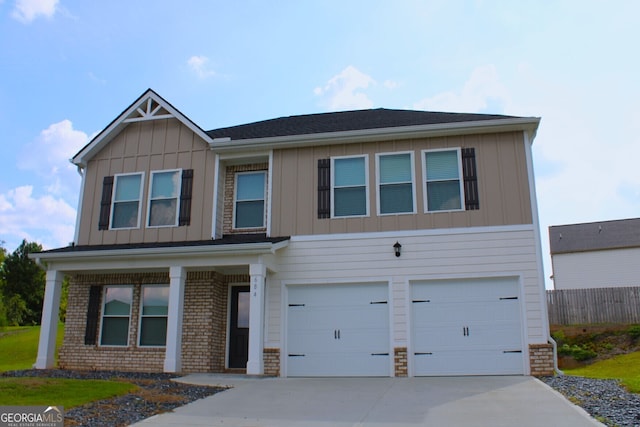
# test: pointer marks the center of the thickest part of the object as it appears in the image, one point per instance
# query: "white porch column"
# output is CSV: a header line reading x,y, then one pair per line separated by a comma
x,y
49,323
255,365
173,353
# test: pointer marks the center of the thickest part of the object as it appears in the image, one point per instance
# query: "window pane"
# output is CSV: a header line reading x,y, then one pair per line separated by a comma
x,y
443,195
153,331
128,187
442,165
115,331
163,212
117,301
125,215
397,198
165,184
250,214
395,168
155,300
250,186
349,201
243,310
349,172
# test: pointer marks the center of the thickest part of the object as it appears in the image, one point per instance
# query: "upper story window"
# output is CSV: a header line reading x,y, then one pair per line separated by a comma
x,y
153,315
395,183
250,195
116,313
444,186
163,198
349,186
125,212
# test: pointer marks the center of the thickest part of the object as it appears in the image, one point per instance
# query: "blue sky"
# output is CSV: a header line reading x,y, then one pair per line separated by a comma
x,y
69,67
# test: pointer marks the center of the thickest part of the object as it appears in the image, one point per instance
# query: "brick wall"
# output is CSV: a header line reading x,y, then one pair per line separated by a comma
x,y
272,362
204,325
400,361
229,189
541,359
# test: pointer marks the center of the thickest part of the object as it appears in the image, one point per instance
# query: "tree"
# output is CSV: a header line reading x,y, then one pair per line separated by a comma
x,y
3,312
23,283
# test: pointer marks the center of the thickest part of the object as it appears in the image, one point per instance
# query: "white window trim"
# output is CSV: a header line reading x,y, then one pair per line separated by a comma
x,y
264,200
458,150
102,315
366,185
113,200
413,183
178,197
141,316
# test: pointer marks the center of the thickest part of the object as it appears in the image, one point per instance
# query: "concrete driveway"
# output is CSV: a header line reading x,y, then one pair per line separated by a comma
x,y
436,401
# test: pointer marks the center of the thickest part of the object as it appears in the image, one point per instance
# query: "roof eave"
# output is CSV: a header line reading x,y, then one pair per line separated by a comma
x,y
528,124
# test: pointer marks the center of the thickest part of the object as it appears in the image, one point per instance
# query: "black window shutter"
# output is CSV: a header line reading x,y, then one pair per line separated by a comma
x,y
185,197
324,188
105,203
470,175
93,312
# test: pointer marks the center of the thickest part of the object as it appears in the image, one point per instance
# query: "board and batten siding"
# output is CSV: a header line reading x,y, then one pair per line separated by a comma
x,y
503,186
144,147
597,269
481,252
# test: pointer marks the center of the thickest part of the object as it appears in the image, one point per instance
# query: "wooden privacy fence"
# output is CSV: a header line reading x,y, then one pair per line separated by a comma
x,y
600,305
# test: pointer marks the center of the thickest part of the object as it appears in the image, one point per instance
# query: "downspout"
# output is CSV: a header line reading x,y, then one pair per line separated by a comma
x,y
82,174
528,141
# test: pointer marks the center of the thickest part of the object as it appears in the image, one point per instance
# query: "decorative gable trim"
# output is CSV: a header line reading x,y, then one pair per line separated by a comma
x,y
149,106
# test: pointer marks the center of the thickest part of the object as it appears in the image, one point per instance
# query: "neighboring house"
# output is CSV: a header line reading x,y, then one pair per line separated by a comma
x,y
602,254
361,243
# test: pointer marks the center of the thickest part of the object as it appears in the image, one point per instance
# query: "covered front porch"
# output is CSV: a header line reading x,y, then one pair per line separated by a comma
x,y
207,289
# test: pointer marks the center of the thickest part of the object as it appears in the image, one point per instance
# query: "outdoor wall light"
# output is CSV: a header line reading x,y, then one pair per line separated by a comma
x,y
397,248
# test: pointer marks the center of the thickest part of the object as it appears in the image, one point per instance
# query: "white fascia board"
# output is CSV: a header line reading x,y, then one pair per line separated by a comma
x,y
173,252
115,127
528,124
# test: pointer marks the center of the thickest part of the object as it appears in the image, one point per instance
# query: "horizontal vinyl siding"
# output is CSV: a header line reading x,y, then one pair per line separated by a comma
x,y
597,269
424,257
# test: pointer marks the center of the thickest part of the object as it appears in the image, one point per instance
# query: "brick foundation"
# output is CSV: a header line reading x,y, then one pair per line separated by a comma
x,y
400,361
541,359
272,362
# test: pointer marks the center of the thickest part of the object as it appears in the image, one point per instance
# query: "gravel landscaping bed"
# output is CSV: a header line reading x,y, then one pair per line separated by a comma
x,y
604,400
156,394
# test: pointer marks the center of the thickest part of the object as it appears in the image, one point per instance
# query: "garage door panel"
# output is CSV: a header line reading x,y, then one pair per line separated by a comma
x,y
338,330
467,327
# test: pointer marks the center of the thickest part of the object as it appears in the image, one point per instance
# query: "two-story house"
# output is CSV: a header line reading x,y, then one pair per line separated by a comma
x,y
361,243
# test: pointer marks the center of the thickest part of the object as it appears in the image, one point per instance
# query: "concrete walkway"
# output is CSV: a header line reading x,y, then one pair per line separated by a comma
x,y
379,402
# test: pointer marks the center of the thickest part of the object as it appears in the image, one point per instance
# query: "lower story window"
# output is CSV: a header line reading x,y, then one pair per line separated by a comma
x,y
116,314
153,315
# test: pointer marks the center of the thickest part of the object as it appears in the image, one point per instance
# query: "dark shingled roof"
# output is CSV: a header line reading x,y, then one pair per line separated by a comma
x,y
237,239
593,236
344,121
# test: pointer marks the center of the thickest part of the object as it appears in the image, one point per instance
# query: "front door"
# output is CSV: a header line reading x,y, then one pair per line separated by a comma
x,y
239,327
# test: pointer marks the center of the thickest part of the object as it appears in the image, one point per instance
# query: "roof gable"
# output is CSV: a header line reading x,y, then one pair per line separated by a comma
x,y
149,106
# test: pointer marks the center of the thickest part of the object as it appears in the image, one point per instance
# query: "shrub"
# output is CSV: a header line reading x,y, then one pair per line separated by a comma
x,y
579,353
634,331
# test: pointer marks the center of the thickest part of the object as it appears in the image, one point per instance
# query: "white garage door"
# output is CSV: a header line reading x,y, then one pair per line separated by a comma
x,y
467,327
338,330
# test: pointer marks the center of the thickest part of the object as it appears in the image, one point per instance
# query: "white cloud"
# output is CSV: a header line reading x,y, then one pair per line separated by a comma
x,y
200,65
26,11
483,89
45,219
344,91
48,155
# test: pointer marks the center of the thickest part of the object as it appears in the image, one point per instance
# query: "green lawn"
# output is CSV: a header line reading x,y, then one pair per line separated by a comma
x,y
18,351
19,346
625,368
